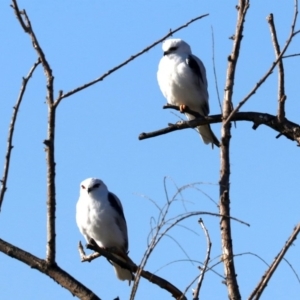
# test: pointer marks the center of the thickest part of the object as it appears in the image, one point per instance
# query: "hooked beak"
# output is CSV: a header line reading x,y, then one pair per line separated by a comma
x,y
89,189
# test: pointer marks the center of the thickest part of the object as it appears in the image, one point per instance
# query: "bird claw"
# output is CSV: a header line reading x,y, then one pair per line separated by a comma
x,y
182,107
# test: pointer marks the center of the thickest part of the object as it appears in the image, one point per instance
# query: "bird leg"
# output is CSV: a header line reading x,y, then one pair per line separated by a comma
x,y
85,257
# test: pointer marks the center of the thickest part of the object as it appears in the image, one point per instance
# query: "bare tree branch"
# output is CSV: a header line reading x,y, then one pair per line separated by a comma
x,y
51,202
291,55
161,220
267,276
269,72
195,261
53,271
260,258
130,265
281,91
289,129
204,268
214,67
292,268
86,85
184,216
224,204
26,25
11,132
162,228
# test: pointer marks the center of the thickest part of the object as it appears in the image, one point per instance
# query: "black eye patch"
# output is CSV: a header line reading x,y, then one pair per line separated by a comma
x,y
96,185
173,49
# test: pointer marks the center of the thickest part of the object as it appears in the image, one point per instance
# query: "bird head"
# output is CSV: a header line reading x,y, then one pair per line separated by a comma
x,y
176,46
91,185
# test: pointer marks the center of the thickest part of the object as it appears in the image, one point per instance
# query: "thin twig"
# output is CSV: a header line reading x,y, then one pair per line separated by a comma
x,y
109,72
281,91
190,285
161,221
268,274
26,25
194,261
214,67
269,72
207,258
289,264
11,132
162,229
292,268
291,55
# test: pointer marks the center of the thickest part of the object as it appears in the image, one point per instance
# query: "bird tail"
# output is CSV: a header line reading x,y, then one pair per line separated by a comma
x,y
122,274
207,135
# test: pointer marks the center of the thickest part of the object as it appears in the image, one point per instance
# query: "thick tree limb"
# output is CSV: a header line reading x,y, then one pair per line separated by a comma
x,y
54,271
267,276
224,182
289,129
11,132
130,265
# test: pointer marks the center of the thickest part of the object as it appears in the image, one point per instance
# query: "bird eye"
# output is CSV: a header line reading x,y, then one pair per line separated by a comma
x,y
83,187
96,185
173,49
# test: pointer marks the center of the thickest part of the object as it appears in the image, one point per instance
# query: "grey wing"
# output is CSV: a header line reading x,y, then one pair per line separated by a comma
x,y
120,219
199,72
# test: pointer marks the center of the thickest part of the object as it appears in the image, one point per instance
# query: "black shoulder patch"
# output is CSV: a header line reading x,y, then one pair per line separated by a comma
x,y
114,203
192,63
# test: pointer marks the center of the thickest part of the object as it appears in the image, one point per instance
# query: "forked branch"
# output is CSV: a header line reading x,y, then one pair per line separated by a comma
x,y
293,33
281,90
49,142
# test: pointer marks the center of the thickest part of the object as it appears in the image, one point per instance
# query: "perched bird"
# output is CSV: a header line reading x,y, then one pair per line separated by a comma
x,y
100,216
182,80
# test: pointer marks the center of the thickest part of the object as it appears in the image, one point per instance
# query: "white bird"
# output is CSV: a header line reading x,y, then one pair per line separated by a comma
x,y
100,216
182,80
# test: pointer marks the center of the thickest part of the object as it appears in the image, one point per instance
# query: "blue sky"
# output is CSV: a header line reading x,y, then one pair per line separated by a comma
x,y
97,136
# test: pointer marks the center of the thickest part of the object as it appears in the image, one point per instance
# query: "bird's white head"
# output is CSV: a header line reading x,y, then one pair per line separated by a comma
x,y
92,185
176,46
